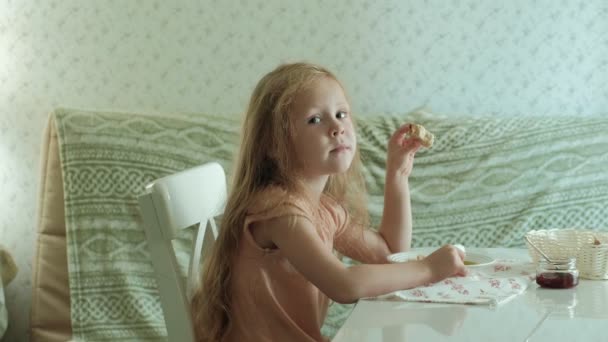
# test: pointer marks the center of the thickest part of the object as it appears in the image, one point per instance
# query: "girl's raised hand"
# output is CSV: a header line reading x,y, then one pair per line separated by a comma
x,y
400,152
445,262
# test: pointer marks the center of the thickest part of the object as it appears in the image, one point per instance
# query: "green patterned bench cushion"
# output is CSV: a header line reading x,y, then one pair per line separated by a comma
x,y
487,181
484,183
106,160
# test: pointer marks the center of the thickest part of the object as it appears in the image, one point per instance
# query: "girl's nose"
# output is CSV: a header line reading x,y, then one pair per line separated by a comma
x,y
337,130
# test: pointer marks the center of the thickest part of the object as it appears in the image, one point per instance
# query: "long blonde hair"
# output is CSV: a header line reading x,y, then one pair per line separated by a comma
x,y
265,158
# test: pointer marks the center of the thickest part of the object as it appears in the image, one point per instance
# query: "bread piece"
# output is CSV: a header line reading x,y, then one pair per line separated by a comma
x,y
419,132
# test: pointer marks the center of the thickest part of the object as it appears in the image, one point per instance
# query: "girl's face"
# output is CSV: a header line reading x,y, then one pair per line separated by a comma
x,y
324,139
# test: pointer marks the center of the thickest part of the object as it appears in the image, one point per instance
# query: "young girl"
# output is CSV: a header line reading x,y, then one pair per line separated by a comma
x,y
298,195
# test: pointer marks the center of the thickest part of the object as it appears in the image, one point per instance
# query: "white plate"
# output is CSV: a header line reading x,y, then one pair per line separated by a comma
x,y
476,258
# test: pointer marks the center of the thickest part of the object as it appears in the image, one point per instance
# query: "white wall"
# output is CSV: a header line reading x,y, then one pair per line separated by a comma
x,y
481,57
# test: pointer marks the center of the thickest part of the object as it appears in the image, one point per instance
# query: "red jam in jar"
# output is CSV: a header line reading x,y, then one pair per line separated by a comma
x,y
559,274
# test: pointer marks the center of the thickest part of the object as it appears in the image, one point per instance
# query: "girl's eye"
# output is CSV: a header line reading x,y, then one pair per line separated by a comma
x,y
341,114
314,120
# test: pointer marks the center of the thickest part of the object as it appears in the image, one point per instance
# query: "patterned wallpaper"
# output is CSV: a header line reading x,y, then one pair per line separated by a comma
x,y
481,57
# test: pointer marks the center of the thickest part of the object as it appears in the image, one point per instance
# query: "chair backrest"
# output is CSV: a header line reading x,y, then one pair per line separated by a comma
x,y
169,205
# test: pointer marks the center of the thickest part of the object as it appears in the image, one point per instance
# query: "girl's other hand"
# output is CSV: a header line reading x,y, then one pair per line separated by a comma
x,y
401,151
447,261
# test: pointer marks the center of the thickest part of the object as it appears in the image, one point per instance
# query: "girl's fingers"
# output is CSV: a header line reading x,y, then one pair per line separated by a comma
x,y
411,145
414,143
402,139
463,270
399,136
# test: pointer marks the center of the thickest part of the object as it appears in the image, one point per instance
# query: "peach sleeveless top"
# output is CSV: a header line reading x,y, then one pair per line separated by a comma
x,y
271,300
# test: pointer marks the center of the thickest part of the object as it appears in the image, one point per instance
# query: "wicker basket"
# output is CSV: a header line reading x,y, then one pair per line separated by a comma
x,y
591,259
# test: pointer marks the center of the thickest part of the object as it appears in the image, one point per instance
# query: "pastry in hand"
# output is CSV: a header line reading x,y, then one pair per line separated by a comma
x,y
419,132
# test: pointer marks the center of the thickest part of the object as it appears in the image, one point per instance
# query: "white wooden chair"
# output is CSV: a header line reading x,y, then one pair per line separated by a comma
x,y
169,205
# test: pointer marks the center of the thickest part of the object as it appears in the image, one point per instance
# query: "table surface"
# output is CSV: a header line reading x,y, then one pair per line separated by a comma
x,y
577,314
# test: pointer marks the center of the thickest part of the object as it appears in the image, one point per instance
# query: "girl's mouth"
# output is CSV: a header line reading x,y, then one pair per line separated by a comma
x,y
340,148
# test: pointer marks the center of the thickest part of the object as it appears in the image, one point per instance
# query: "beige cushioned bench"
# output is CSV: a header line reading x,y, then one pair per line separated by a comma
x,y
485,182
50,315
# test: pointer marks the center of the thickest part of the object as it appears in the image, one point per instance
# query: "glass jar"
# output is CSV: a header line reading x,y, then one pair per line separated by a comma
x,y
558,274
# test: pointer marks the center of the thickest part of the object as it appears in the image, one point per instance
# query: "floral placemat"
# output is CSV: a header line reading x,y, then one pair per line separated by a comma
x,y
493,284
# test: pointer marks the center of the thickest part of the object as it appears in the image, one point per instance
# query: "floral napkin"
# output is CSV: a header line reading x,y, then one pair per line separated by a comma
x,y
492,284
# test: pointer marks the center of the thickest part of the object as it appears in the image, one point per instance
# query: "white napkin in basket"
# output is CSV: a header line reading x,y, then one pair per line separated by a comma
x,y
493,284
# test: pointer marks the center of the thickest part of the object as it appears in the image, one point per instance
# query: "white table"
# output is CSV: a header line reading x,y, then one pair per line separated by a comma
x,y
577,314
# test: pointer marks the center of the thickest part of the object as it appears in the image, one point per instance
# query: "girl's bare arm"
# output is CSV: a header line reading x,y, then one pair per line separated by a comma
x,y
298,240
395,231
396,224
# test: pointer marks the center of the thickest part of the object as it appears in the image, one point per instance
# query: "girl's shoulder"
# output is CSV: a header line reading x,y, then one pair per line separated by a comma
x,y
274,198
